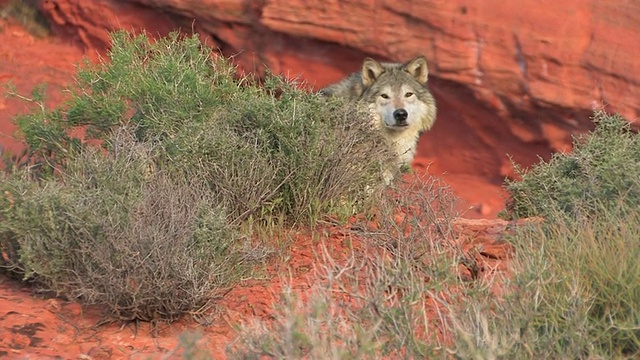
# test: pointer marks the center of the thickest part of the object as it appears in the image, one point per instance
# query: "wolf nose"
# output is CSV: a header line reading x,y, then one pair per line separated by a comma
x,y
400,115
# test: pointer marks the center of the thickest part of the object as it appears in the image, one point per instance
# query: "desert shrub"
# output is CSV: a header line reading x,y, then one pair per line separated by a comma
x,y
602,170
295,158
373,302
147,245
274,150
137,191
574,294
191,346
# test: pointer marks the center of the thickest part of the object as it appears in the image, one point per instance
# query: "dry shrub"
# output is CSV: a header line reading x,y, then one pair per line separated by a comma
x,y
120,233
385,300
603,170
26,13
574,291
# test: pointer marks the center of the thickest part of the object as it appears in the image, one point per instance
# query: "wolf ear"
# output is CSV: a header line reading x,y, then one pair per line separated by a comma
x,y
371,70
418,69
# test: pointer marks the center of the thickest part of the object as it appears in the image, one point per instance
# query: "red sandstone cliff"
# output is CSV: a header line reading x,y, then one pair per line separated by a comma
x,y
573,55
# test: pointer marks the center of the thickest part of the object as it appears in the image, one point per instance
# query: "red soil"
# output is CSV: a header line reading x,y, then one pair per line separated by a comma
x,y
32,326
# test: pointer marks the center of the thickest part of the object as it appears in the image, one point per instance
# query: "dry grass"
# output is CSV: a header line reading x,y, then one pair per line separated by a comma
x,y
384,299
572,294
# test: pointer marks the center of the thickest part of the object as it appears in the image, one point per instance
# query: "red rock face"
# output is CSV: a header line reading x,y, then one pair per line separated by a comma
x,y
510,78
574,55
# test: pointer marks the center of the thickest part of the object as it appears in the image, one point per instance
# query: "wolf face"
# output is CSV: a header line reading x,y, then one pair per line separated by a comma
x,y
398,98
396,94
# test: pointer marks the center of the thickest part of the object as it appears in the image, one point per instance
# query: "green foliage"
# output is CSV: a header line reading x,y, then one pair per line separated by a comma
x,y
274,151
146,245
574,292
136,191
602,171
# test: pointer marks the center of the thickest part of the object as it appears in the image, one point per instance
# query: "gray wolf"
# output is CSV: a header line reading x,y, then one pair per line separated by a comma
x,y
401,105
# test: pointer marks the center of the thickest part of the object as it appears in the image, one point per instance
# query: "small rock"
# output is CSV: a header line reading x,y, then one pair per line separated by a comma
x,y
100,352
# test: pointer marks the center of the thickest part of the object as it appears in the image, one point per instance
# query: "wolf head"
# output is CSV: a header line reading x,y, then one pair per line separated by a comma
x,y
398,98
397,94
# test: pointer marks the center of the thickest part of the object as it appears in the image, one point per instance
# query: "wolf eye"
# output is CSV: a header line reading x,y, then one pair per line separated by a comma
x,y
409,94
384,96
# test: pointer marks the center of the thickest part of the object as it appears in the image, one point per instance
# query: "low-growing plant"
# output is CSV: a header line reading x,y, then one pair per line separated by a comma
x,y
574,290
603,169
26,13
382,300
117,232
191,346
274,150
574,294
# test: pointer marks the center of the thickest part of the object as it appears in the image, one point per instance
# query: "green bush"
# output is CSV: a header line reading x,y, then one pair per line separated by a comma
x,y
574,295
147,245
184,158
574,290
602,171
270,149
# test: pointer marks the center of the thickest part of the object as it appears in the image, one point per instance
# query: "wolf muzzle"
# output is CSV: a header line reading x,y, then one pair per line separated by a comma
x,y
400,116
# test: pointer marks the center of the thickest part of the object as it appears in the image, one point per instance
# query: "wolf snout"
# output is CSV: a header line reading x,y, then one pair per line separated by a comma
x,y
400,116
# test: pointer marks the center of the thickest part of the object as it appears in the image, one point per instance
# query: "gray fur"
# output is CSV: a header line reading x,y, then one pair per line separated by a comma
x,y
387,88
